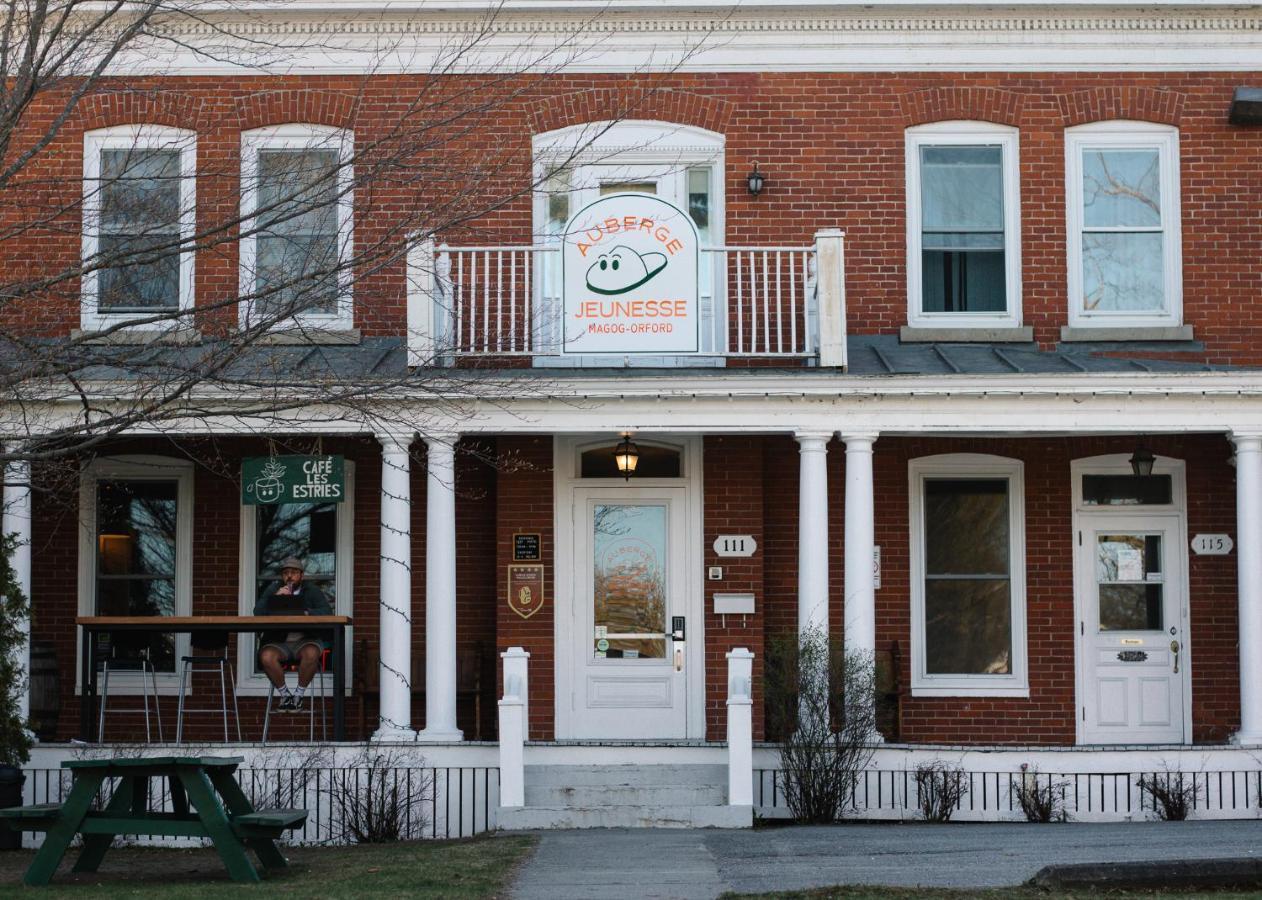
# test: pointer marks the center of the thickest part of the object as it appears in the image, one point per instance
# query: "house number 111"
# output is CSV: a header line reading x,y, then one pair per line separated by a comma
x,y
735,545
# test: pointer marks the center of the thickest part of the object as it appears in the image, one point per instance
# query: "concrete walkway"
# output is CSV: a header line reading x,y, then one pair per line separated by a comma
x,y
703,864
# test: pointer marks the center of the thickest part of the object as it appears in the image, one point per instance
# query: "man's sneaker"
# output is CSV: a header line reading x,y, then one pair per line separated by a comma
x,y
296,704
288,703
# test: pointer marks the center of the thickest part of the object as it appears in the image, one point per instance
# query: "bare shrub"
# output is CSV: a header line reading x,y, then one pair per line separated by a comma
x,y
940,786
381,797
1041,799
821,705
1173,794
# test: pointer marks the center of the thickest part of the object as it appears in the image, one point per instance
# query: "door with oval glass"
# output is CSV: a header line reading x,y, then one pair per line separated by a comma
x,y
1132,643
630,673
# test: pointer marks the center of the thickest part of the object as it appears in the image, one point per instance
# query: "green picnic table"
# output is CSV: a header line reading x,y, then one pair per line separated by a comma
x,y
206,802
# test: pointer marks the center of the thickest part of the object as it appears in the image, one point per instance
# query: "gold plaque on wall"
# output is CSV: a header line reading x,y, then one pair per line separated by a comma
x,y
525,589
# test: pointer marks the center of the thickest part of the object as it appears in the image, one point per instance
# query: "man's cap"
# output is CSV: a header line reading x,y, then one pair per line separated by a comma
x,y
292,562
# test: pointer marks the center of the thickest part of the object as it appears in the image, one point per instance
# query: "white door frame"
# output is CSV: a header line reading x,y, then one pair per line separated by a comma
x,y
1119,464
566,453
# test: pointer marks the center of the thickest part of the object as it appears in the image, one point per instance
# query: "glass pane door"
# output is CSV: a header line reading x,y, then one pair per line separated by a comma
x,y
1131,582
629,581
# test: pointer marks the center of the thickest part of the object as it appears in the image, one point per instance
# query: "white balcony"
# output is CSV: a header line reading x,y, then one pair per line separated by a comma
x,y
503,304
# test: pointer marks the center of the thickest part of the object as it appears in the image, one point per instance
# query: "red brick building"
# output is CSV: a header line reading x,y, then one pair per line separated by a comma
x,y
940,337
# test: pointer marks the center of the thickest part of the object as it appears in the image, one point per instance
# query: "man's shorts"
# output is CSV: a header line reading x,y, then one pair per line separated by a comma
x,y
289,650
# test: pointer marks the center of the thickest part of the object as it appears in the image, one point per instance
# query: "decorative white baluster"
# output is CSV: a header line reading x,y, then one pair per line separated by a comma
x,y
514,726
740,727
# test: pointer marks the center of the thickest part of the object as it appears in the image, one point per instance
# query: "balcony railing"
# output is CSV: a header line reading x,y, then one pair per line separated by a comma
x,y
504,302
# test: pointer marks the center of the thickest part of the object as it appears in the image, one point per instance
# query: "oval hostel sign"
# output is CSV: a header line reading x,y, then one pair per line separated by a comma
x,y
629,275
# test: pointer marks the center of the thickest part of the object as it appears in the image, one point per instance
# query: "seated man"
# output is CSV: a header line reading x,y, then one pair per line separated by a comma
x,y
281,647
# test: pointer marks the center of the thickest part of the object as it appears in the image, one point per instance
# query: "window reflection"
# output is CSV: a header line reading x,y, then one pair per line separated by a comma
x,y
135,558
629,580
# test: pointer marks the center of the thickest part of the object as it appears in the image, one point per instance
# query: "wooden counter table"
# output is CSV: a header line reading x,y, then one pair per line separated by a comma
x,y
95,625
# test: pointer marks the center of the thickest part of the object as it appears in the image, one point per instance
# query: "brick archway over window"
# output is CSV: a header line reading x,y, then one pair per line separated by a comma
x,y
969,104
1139,104
282,107
137,106
606,104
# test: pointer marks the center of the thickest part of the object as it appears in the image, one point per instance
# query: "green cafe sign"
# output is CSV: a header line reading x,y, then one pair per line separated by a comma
x,y
292,479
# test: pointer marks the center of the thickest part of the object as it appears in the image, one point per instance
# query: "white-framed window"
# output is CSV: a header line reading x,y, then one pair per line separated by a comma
x,y
683,165
963,225
968,576
1122,217
136,555
322,535
139,221
297,212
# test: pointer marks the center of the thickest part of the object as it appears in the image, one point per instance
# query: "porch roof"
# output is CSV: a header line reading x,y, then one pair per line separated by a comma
x,y
385,359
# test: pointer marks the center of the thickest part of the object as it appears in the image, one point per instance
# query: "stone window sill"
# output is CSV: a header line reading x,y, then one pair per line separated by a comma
x,y
1018,335
136,336
343,336
1070,334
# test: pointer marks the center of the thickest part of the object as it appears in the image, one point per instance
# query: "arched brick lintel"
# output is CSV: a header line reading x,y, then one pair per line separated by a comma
x,y
970,104
282,107
606,104
108,107
1140,104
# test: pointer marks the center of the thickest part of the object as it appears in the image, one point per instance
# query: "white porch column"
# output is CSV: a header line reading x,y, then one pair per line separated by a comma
x,y
396,590
813,531
440,591
17,521
1249,583
860,586
860,589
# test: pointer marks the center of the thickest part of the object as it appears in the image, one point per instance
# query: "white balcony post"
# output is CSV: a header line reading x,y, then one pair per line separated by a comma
x,y
423,319
514,726
813,531
440,591
831,296
17,521
860,586
740,727
395,677
1249,584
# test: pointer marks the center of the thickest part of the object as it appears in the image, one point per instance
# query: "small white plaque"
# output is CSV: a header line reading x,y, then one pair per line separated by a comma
x,y
733,604
735,545
1212,544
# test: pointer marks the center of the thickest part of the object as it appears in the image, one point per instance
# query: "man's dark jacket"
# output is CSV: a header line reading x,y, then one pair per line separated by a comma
x,y
313,601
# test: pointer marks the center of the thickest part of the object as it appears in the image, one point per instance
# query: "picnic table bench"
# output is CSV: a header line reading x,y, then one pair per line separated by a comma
x,y
206,802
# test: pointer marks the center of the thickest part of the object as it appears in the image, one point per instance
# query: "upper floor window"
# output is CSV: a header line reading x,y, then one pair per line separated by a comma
x,y
1122,181
297,219
139,216
963,233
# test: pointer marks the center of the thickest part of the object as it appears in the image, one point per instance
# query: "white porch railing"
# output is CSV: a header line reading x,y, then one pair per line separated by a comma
x,y
514,726
505,302
740,727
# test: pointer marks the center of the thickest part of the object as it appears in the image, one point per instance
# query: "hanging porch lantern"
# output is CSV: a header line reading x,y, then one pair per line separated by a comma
x,y
1142,461
627,456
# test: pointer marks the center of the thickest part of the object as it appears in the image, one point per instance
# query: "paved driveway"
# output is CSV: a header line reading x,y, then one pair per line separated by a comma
x,y
704,864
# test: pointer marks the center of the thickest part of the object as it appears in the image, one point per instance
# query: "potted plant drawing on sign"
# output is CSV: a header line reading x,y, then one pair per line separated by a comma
x,y
268,487
15,738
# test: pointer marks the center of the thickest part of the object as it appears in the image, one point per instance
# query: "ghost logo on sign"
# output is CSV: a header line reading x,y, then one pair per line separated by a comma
x,y
622,269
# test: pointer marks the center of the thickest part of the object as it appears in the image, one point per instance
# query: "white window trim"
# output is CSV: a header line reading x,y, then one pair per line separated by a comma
x,y
634,145
250,684
1134,135
137,468
964,466
136,137
965,134
299,137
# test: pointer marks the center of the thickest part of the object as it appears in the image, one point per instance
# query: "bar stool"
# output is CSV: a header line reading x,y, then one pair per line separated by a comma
x,y
127,652
206,659
314,695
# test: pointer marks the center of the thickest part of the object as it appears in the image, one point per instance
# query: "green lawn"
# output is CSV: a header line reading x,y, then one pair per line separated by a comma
x,y
473,868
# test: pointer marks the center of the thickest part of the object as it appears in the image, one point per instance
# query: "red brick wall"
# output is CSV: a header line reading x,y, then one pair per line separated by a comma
x,y
831,145
1046,717
524,504
216,549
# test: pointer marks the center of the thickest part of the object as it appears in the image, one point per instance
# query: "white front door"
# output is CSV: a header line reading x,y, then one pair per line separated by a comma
x,y
1130,575
630,616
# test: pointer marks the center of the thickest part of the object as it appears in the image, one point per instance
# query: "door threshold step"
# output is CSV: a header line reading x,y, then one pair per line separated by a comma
x,y
532,818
